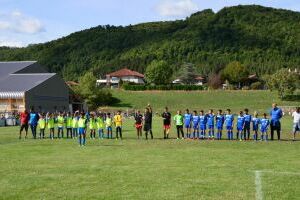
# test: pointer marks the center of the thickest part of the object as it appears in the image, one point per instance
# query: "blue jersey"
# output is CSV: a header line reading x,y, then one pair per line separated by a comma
x,y
229,120
187,119
196,120
210,119
34,118
220,121
248,119
240,122
264,124
276,115
255,122
202,122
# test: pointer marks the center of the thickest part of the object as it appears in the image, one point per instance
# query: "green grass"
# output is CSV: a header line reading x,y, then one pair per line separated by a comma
x,y
158,169
215,99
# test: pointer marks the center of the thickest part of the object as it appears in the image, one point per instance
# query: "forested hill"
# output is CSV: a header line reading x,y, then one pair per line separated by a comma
x,y
263,39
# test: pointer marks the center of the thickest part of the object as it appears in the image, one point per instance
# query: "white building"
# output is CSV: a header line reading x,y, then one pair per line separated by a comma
x,y
126,75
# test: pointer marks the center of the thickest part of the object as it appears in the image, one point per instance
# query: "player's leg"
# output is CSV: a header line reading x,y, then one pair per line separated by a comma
x,y
278,130
20,131
121,133
272,132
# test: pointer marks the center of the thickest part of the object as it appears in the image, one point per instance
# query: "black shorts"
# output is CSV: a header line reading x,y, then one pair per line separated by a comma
x,y
24,126
147,127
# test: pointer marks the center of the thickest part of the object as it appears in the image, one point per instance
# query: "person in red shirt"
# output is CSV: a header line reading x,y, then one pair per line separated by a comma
x,y
24,119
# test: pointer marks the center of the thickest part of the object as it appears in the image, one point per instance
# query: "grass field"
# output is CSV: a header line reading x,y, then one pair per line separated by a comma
x,y
154,169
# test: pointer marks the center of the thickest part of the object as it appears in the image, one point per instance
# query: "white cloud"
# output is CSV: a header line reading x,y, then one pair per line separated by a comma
x,y
11,43
17,22
176,8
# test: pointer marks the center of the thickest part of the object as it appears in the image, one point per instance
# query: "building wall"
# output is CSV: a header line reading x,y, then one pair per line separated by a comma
x,y
11,105
51,95
131,79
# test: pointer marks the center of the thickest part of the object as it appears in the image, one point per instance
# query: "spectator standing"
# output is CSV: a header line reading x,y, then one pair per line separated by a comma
x,y
276,115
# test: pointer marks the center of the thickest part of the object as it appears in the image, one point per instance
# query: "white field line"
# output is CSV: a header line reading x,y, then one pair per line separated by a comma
x,y
283,173
258,186
258,181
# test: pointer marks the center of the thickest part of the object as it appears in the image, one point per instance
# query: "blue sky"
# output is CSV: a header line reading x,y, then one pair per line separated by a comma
x,y
24,22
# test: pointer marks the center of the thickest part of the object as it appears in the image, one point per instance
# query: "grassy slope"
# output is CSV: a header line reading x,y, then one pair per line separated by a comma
x,y
236,100
158,169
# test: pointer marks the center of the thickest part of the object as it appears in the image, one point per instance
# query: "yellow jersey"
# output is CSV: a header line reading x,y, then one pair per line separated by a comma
x,y
118,120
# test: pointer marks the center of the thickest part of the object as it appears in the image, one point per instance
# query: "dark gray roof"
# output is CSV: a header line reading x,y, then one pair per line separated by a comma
x,y
7,68
22,82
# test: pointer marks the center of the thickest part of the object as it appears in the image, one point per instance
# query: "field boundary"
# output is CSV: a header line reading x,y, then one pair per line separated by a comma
x,y
258,180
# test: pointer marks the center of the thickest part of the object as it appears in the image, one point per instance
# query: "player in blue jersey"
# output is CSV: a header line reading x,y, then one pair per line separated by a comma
x,y
195,120
211,124
265,123
255,125
202,124
219,123
229,124
248,119
240,125
188,123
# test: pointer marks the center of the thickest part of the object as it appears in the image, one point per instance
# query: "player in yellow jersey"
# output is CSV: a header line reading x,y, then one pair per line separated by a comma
x,y
100,126
108,124
92,126
50,124
118,123
81,129
42,125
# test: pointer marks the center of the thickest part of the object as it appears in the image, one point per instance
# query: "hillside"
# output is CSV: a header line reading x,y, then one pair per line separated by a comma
x,y
263,39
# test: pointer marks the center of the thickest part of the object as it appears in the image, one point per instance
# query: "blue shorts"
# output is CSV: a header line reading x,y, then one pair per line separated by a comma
x,y
187,125
109,128
255,128
229,128
239,128
195,126
220,127
263,130
211,126
81,131
202,127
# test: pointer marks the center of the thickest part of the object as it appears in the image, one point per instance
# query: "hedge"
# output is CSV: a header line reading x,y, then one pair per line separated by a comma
x,y
161,87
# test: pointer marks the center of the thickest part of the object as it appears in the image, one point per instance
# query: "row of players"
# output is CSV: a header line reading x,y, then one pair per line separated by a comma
x,y
196,125
75,124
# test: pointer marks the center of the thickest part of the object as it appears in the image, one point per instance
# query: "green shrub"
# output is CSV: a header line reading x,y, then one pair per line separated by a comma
x,y
256,86
133,87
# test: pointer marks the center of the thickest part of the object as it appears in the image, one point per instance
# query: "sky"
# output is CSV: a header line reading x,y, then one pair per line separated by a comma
x,y
24,22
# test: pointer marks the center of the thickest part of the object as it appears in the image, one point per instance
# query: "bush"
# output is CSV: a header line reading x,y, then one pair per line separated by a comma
x,y
246,88
256,86
133,87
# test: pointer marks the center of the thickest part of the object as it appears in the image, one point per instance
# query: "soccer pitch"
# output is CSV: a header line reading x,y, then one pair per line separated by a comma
x,y
153,169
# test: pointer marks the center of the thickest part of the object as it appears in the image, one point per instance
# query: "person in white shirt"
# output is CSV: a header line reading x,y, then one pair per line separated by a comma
x,y
296,122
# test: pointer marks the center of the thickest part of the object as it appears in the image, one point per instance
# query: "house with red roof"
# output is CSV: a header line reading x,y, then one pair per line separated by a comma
x,y
126,75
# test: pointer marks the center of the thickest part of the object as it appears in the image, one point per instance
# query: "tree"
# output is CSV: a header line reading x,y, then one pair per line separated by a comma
x,y
159,73
215,81
283,81
92,95
235,72
188,73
